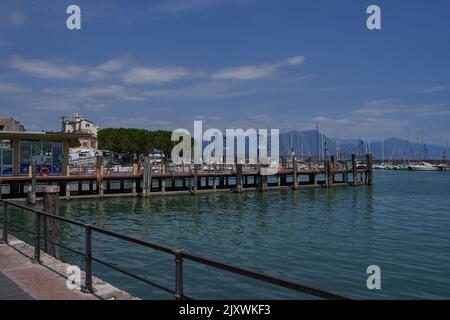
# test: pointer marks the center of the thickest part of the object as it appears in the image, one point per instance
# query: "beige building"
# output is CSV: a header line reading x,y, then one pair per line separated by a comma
x,y
79,124
11,125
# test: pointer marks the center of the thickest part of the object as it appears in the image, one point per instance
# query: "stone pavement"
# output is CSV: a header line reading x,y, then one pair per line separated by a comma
x,y
22,279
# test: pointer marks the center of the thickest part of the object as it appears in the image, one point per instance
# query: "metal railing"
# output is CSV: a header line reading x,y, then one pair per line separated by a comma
x,y
179,256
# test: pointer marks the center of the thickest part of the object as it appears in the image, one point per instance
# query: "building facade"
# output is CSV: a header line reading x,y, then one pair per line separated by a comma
x,y
79,124
50,150
11,125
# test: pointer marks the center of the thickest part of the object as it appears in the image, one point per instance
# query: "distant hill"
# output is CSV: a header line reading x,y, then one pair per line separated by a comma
x,y
305,143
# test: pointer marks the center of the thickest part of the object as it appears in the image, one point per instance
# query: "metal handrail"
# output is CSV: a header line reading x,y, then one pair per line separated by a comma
x,y
179,255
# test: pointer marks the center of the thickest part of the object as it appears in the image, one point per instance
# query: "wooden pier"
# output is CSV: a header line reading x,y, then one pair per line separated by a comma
x,y
194,180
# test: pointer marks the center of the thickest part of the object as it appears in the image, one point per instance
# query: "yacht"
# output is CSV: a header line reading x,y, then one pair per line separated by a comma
x,y
423,166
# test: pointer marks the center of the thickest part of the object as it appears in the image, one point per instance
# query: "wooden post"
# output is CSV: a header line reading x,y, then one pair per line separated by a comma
x,y
99,171
133,188
33,183
67,190
369,172
195,189
147,177
51,226
328,176
294,173
262,180
354,177
239,173
333,167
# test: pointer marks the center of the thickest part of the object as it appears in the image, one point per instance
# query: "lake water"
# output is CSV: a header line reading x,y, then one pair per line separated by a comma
x,y
319,237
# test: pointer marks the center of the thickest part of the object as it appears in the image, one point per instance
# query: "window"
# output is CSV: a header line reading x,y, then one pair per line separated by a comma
x,y
2,128
6,158
48,154
88,125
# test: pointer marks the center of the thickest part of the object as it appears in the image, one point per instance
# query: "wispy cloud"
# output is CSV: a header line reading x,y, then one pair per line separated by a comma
x,y
139,75
46,69
251,72
12,88
176,6
434,89
246,72
16,19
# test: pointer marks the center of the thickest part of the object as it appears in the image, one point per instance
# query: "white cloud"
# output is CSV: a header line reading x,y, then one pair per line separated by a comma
x,y
51,70
45,69
12,88
295,61
247,72
16,19
434,89
139,75
251,72
175,6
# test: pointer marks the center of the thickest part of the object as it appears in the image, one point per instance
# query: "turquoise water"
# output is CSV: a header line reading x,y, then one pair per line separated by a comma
x,y
322,238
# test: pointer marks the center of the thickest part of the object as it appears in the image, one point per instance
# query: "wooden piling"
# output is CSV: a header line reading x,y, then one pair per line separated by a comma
x,y
354,176
239,173
369,172
294,173
51,226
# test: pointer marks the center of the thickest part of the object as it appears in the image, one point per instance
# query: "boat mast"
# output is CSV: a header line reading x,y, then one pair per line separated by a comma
x,y
318,141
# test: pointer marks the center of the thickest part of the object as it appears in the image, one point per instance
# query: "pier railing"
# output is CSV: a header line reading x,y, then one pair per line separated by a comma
x,y
179,256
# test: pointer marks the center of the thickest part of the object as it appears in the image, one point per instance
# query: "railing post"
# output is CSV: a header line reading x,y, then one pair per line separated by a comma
x,y
88,261
5,223
179,274
37,238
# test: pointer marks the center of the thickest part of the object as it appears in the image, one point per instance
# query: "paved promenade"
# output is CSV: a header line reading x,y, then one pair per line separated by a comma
x,y
21,279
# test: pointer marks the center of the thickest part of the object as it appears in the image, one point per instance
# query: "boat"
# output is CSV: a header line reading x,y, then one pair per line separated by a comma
x,y
423,166
380,166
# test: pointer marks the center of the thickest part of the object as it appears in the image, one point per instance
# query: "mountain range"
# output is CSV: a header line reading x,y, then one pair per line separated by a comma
x,y
305,143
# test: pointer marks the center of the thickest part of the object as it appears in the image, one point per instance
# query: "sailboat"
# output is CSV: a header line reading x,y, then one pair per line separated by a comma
x,y
422,165
382,165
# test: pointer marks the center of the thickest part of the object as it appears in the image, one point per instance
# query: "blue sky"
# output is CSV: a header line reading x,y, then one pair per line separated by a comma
x,y
249,63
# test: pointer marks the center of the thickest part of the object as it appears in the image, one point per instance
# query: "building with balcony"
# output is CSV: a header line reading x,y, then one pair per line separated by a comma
x,y
79,124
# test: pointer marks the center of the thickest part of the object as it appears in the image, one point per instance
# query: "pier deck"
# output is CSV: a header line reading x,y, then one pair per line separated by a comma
x,y
147,182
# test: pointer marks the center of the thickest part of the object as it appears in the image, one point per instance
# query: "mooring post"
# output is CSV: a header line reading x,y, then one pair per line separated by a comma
x,y
32,198
1,189
294,173
67,190
147,177
369,172
333,168
99,171
354,176
133,188
51,206
262,179
195,189
239,172
328,176
163,179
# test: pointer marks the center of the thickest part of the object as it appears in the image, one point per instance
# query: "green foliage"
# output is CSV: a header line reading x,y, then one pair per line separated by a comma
x,y
74,143
139,141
